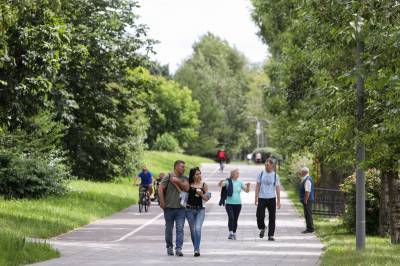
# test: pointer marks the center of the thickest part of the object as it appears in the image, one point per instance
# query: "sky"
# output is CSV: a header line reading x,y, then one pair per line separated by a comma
x,y
177,24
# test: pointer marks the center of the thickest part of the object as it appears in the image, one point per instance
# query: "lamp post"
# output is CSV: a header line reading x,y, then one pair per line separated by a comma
x,y
259,130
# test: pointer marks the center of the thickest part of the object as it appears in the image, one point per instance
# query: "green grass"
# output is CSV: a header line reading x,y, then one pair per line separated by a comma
x,y
157,161
340,244
85,202
15,250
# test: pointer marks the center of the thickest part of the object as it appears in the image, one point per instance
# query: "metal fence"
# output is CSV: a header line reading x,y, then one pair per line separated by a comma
x,y
328,202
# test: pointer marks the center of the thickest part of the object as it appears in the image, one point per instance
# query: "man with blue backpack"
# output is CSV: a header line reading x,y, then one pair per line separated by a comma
x,y
306,198
267,197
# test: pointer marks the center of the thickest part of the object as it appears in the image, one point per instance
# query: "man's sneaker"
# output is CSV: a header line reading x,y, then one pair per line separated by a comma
x,y
234,236
170,251
196,253
230,236
271,238
307,231
262,232
178,253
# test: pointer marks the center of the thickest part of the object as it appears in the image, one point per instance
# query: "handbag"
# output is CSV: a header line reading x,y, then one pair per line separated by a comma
x,y
183,198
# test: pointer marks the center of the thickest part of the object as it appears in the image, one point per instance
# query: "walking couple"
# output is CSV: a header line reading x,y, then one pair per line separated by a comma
x,y
267,196
182,197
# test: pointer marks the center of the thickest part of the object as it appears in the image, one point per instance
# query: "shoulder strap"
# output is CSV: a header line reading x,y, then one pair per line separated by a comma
x,y
169,178
274,179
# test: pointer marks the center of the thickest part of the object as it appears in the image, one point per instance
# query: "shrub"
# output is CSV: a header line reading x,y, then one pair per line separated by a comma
x,y
31,164
295,163
22,177
372,189
167,142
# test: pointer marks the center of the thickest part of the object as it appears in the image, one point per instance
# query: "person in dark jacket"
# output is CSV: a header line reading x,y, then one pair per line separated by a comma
x,y
307,198
233,204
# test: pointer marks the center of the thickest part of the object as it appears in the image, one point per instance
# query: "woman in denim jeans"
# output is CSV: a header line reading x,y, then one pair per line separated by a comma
x,y
195,211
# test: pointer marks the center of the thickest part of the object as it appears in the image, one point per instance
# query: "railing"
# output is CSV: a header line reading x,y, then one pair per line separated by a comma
x,y
328,202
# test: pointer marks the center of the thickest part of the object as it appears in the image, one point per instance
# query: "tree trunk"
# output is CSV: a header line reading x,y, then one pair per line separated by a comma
x,y
394,198
384,209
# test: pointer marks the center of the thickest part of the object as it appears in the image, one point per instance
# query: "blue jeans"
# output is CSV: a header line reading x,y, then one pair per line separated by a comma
x,y
195,218
178,216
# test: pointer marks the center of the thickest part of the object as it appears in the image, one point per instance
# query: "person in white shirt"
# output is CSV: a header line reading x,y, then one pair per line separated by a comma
x,y
267,196
307,197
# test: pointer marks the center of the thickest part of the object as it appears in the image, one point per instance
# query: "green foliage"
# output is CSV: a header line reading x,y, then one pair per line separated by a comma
x,y
312,77
84,202
216,75
33,42
158,161
71,59
105,127
18,251
31,164
372,188
30,177
294,164
167,142
170,108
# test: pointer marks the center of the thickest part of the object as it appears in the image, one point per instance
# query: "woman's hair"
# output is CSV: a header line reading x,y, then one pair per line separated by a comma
x,y
233,171
192,173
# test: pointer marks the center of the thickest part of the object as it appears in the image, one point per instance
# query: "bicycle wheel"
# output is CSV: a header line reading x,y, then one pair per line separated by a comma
x,y
147,203
140,203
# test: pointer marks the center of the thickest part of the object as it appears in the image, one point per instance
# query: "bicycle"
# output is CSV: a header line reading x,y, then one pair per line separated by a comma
x,y
156,184
144,199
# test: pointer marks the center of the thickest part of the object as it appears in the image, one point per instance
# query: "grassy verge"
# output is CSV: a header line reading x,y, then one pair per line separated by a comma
x,y
158,161
340,244
85,202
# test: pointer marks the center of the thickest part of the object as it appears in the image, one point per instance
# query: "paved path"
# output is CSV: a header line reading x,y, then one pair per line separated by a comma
x,y
130,238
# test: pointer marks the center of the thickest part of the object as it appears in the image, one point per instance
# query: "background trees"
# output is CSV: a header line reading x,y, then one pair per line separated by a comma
x,y
313,73
216,74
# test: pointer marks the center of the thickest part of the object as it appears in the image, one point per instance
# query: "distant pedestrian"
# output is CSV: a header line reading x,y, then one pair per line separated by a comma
x,y
267,196
233,204
195,212
249,157
258,157
307,198
170,201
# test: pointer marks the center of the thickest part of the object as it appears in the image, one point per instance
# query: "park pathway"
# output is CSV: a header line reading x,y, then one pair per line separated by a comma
x,y
130,238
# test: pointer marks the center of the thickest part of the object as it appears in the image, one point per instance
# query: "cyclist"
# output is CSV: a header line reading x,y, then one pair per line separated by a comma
x,y
146,180
156,184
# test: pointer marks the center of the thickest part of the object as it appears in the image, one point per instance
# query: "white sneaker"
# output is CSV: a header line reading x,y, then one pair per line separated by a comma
x,y
230,236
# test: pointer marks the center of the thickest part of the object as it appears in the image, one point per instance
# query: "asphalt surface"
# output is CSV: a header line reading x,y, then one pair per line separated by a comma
x,y
133,238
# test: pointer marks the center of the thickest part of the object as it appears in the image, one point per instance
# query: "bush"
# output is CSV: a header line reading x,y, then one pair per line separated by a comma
x,y
22,177
295,163
167,142
372,189
31,164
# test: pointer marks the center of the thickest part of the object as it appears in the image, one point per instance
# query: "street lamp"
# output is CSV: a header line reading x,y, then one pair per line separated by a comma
x,y
259,129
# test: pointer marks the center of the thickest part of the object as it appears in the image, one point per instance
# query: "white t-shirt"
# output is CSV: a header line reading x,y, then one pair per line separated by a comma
x,y
307,184
266,181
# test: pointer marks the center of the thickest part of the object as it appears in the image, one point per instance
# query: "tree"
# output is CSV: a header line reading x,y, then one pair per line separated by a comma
x,y
104,124
216,75
170,108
